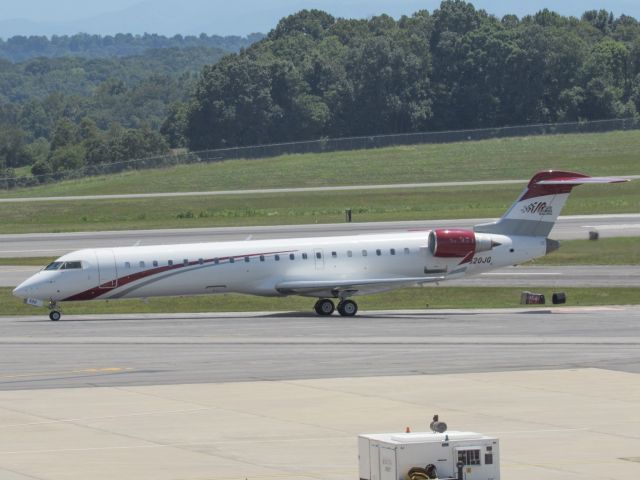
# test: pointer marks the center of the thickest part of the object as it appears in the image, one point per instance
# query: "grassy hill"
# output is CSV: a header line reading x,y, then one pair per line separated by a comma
x,y
611,153
614,153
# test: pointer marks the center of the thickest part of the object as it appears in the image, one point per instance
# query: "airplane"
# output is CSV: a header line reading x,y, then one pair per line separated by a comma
x,y
326,268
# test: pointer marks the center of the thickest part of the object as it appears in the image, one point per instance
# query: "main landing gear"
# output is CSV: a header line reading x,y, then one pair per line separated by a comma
x,y
346,308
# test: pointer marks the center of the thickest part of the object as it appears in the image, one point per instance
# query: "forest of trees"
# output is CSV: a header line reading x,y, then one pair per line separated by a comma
x,y
313,76
60,114
458,67
21,48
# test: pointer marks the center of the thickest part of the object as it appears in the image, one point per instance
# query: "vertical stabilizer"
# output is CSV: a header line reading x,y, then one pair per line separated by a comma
x,y
538,207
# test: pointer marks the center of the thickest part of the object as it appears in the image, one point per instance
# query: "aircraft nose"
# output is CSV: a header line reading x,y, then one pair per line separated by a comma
x,y
26,289
20,291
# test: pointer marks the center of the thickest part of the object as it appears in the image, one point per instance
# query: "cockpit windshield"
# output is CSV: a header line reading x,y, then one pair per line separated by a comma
x,y
74,265
71,265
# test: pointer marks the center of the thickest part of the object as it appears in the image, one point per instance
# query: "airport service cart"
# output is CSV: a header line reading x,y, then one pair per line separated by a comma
x,y
422,455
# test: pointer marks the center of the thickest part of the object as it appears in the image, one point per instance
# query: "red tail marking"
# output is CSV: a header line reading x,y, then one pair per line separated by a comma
x,y
537,190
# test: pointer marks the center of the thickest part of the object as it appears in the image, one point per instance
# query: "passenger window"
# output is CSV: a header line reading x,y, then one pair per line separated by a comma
x,y
246,259
378,252
407,251
304,256
185,262
170,262
292,256
334,254
262,258
392,251
349,253
155,263
216,260
318,255
201,261
364,253
232,260
127,265
277,258
141,264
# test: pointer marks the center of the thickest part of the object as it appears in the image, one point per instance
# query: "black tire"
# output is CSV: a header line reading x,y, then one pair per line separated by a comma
x,y
347,308
54,315
324,307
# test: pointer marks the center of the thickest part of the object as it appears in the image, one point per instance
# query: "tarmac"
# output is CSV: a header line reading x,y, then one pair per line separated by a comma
x,y
284,396
565,424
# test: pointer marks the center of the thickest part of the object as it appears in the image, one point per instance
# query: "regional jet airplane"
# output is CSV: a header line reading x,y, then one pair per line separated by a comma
x,y
325,268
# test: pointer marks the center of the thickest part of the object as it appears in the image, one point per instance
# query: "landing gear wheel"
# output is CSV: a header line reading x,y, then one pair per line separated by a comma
x,y
324,307
54,316
347,308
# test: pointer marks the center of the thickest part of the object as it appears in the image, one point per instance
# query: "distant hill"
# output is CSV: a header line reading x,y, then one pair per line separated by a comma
x,y
21,48
241,17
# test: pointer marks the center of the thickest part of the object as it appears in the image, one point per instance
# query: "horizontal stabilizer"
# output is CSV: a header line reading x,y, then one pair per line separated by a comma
x,y
582,181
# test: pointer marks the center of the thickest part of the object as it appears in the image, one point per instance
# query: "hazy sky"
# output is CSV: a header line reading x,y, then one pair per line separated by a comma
x,y
47,17
59,10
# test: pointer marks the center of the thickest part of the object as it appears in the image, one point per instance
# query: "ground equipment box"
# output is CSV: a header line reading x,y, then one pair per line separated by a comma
x,y
448,455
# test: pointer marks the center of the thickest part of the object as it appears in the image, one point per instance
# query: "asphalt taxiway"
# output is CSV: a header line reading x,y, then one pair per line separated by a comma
x,y
126,350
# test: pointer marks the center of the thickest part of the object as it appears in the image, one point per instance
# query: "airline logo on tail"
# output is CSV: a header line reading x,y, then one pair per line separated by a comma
x,y
540,208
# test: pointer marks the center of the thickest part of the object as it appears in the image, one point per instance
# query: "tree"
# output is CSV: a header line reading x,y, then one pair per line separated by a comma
x,y
64,134
13,150
309,22
67,158
175,124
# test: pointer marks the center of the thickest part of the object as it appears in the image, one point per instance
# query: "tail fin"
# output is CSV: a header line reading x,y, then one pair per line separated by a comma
x,y
538,207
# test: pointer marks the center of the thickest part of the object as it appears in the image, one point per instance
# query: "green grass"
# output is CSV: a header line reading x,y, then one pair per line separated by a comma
x,y
26,261
606,251
611,153
298,208
412,298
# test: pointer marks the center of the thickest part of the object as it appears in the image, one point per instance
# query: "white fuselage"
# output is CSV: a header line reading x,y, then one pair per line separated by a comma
x,y
258,266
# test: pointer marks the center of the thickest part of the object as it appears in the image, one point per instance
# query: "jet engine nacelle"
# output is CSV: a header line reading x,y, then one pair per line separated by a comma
x,y
447,243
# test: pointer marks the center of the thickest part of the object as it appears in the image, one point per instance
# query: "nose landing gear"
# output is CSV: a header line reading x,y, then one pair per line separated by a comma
x,y
54,314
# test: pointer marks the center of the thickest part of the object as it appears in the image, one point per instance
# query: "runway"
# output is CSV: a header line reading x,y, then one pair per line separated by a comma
x,y
127,350
213,193
56,244
340,188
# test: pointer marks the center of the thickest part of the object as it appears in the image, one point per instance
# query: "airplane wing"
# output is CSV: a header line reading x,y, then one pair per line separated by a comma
x,y
333,288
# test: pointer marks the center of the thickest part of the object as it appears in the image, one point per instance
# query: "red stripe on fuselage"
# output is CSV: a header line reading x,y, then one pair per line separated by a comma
x,y
107,287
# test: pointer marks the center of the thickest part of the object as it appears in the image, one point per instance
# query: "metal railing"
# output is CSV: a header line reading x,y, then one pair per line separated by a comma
x,y
324,145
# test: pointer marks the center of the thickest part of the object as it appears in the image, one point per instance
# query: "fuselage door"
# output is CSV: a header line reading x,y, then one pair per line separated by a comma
x,y
318,254
107,270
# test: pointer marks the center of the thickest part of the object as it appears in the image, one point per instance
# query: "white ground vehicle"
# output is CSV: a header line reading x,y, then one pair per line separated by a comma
x,y
422,455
